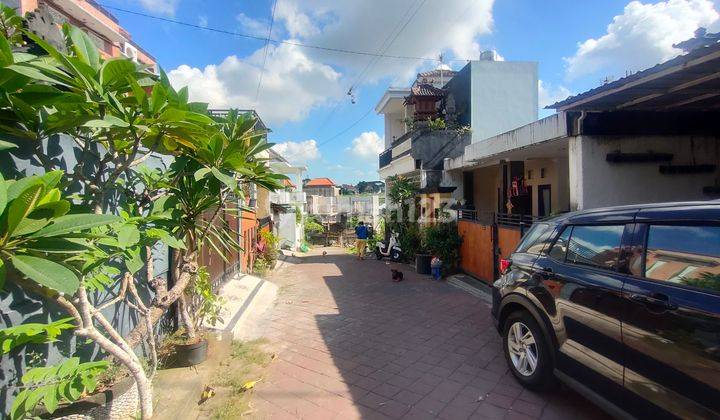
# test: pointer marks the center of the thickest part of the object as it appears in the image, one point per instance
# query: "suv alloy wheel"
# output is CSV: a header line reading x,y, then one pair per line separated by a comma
x,y
526,350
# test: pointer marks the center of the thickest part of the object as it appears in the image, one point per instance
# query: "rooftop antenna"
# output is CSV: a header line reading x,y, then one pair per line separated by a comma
x,y
442,61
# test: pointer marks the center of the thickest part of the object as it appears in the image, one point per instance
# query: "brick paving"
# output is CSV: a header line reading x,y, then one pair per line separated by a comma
x,y
352,344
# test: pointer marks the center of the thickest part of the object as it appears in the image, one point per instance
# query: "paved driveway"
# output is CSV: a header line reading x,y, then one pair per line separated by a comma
x,y
352,344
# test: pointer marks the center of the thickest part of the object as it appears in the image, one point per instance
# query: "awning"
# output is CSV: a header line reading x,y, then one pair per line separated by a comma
x,y
687,82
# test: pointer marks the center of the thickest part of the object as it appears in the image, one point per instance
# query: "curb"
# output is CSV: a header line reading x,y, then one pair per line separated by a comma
x,y
484,295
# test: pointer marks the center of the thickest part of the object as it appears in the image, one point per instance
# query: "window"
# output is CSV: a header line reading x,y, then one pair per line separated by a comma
x,y
595,246
535,238
558,251
686,255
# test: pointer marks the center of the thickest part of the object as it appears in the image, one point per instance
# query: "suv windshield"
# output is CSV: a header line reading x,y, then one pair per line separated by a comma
x,y
535,238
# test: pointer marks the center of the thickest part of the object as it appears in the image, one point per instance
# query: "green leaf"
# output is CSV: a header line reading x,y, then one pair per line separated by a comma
x,y
116,69
229,181
50,400
58,245
107,122
29,225
68,366
133,260
201,173
3,194
47,273
3,274
22,206
6,55
5,145
128,235
15,188
52,178
18,407
74,223
83,46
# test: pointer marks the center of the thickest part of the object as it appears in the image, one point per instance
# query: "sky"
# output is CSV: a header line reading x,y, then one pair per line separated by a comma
x,y
301,93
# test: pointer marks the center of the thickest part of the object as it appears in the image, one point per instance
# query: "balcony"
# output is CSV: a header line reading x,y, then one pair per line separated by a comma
x,y
385,158
287,197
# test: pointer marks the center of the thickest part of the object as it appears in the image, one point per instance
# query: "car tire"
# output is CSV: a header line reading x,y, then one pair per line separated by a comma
x,y
532,345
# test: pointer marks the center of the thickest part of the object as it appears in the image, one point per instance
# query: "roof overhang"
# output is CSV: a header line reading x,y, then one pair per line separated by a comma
x,y
86,12
391,95
690,82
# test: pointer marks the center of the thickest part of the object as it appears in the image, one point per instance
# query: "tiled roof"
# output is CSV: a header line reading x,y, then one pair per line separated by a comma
x,y
288,183
436,73
320,182
426,89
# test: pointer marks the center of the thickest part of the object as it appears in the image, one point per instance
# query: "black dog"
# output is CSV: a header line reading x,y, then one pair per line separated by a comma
x,y
396,275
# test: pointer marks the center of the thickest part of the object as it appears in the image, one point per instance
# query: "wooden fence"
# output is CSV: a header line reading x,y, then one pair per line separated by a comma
x,y
488,237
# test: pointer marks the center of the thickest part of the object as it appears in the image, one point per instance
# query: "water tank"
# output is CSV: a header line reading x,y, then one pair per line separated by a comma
x,y
489,55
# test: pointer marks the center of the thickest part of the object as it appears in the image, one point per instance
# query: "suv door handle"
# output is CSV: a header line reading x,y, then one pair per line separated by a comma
x,y
657,300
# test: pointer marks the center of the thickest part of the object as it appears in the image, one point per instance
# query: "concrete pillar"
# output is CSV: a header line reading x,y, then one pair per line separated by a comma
x,y
575,174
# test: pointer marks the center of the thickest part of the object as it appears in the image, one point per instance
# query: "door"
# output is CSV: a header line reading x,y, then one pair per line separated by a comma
x,y
671,330
582,293
544,203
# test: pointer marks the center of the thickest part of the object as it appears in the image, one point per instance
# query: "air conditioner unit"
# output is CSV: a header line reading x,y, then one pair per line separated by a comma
x,y
130,52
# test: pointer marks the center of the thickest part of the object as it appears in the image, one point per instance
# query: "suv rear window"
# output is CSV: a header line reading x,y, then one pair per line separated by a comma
x,y
594,246
686,255
535,239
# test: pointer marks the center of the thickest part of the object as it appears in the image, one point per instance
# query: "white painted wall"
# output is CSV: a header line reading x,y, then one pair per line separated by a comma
x,y
596,183
504,96
287,230
394,127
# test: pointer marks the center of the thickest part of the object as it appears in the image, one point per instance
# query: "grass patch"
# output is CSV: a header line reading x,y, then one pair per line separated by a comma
x,y
246,363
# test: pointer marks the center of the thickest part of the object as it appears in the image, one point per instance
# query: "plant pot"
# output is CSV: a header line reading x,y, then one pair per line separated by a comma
x,y
189,354
422,263
119,402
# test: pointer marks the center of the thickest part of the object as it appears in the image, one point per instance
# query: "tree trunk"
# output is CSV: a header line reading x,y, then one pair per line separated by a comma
x,y
185,318
161,303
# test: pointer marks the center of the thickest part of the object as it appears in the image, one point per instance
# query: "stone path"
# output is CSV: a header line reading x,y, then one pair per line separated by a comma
x,y
352,344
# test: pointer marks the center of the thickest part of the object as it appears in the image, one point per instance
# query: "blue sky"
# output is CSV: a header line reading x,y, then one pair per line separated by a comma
x,y
303,95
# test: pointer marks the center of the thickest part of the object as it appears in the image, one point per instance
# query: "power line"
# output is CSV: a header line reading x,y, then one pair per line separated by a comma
x,y
348,128
267,45
260,38
383,48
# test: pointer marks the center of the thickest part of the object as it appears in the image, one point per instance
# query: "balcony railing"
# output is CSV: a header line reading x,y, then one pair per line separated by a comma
x,y
522,221
287,197
385,158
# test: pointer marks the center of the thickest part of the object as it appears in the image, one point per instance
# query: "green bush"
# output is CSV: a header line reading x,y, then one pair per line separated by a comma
x,y
443,241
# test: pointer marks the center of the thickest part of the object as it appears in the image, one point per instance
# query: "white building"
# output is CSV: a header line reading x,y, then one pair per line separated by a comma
x,y
288,205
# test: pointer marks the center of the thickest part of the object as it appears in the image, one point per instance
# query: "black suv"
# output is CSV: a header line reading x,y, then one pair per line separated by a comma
x,y
622,304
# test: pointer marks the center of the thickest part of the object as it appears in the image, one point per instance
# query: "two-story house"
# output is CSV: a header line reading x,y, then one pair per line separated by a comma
x,y
46,16
428,122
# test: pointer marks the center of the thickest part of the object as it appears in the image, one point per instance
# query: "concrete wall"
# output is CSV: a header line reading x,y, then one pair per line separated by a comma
x,y
504,96
486,183
596,183
394,127
556,175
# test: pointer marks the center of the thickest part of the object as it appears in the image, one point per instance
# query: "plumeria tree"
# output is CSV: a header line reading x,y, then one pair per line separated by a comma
x,y
64,248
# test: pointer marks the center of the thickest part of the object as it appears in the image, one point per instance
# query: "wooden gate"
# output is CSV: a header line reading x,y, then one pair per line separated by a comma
x,y
508,238
476,251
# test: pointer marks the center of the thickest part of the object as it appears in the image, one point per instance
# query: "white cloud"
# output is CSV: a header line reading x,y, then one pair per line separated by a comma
x,y
367,145
165,7
292,83
548,94
366,25
203,21
298,152
640,37
250,26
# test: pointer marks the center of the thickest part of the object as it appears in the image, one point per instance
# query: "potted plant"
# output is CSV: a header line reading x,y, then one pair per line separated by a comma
x,y
443,240
189,344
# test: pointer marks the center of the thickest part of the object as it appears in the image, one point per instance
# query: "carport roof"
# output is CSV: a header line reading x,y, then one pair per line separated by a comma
x,y
687,82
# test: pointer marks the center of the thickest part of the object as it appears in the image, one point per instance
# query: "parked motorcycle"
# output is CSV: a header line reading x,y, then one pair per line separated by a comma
x,y
391,249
